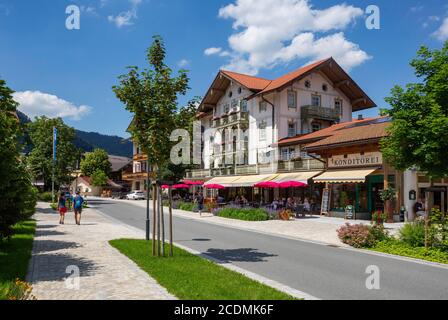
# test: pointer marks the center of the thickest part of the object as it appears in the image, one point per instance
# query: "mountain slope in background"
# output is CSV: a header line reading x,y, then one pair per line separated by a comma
x,y
88,141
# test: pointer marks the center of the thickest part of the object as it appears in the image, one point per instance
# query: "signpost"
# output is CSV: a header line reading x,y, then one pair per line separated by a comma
x,y
55,141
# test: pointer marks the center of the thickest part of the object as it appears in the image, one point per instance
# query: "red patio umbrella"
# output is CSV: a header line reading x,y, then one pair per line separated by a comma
x,y
267,184
292,184
193,183
181,186
214,186
165,186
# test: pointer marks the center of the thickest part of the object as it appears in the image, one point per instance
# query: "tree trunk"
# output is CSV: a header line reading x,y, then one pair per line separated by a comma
x,y
162,220
154,208
171,220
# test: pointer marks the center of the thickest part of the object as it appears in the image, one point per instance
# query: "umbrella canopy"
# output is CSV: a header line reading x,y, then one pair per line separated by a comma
x,y
267,184
214,186
193,183
165,186
292,184
181,186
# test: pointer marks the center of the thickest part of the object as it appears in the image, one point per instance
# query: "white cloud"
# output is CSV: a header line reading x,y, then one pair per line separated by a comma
x,y
212,51
442,32
125,18
36,103
263,40
183,63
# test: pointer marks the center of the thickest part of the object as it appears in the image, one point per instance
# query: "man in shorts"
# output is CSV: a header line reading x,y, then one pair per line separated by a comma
x,y
77,207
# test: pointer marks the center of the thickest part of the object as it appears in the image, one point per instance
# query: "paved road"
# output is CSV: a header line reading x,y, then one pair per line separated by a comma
x,y
322,271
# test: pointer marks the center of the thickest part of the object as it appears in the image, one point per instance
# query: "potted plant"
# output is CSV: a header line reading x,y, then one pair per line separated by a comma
x,y
379,217
387,196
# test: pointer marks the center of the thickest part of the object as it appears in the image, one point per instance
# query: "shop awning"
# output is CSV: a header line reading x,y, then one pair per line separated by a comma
x,y
344,176
249,181
224,181
241,181
296,176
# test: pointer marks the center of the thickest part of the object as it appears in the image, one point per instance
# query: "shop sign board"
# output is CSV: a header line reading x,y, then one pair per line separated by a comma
x,y
356,160
325,206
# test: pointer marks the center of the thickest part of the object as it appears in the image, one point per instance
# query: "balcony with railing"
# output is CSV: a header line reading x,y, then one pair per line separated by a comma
x,y
318,112
140,157
231,119
134,176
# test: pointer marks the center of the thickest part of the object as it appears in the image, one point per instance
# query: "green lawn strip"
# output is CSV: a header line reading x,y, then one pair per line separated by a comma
x,y
190,277
398,248
15,255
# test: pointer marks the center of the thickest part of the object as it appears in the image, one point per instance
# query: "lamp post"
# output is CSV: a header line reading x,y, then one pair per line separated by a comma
x,y
147,200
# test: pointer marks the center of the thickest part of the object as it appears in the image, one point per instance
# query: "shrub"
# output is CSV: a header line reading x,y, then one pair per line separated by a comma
x,y
361,236
186,206
413,234
44,197
244,214
20,290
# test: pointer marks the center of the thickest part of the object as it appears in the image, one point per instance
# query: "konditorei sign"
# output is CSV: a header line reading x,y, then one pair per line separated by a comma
x,y
356,160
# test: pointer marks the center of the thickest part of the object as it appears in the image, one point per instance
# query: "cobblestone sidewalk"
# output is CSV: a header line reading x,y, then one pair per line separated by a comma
x,y
59,251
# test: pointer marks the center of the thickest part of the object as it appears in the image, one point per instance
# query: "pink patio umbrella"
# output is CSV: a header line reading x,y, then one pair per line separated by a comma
x,y
292,184
267,184
181,186
214,186
165,186
193,183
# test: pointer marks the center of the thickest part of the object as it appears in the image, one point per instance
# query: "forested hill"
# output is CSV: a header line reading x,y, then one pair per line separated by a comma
x,y
88,141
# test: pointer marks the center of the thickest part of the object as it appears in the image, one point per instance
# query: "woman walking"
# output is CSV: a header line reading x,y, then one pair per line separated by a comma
x,y
62,208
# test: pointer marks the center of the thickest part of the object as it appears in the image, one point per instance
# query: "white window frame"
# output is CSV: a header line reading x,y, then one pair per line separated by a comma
x,y
316,96
293,128
293,94
341,106
262,136
262,106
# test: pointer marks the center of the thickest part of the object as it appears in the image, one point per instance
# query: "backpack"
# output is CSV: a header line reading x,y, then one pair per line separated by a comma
x,y
78,202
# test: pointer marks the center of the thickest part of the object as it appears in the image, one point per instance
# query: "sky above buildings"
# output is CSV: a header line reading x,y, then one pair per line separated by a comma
x,y
69,73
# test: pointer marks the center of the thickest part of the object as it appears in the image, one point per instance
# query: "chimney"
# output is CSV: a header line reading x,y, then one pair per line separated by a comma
x,y
360,117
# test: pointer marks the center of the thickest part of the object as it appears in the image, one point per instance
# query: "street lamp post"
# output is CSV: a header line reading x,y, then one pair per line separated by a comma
x,y
147,200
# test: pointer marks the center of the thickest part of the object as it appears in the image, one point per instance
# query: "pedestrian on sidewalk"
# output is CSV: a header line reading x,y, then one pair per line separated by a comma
x,y
62,208
200,202
77,207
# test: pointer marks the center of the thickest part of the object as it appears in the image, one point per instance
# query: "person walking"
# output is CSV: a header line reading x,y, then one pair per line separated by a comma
x,y
62,208
200,202
78,201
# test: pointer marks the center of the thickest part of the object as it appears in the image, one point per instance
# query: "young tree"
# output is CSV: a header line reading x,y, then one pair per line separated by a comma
x,y
41,157
151,96
419,131
99,178
94,161
17,195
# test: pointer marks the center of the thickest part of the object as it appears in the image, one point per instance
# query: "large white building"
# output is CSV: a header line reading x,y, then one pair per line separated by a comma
x,y
245,117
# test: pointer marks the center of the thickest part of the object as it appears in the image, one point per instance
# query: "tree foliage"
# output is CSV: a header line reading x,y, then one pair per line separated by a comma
x,y
41,156
419,132
99,178
94,161
151,96
17,195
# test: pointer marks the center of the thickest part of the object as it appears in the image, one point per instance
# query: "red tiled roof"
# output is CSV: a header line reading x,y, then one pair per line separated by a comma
x,y
283,80
317,135
368,131
250,82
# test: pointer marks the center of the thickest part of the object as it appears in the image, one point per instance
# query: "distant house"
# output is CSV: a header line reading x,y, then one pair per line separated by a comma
x,y
119,166
84,185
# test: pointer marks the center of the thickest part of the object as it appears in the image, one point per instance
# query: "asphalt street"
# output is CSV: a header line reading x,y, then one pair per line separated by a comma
x,y
326,272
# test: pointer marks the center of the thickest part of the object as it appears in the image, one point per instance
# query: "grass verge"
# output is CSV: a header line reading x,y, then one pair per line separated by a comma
x,y
15,255
401,249
190,277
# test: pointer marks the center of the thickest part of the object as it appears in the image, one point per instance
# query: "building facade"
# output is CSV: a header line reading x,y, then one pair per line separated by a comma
x,y
244,118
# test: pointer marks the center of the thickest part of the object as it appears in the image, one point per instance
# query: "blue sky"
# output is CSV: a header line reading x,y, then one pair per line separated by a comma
x,y
57,71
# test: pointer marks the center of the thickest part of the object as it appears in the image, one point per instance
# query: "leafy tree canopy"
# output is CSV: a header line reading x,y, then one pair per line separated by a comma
x,y
419,132
94,161
151,96
99,178
41,157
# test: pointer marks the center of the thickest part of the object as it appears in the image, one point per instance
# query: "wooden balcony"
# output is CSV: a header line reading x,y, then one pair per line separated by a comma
x,y
134,176
140,157
236,118
322,113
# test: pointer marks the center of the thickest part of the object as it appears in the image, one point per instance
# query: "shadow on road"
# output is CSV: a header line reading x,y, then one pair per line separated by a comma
x,y
239,255
45,232
46,211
